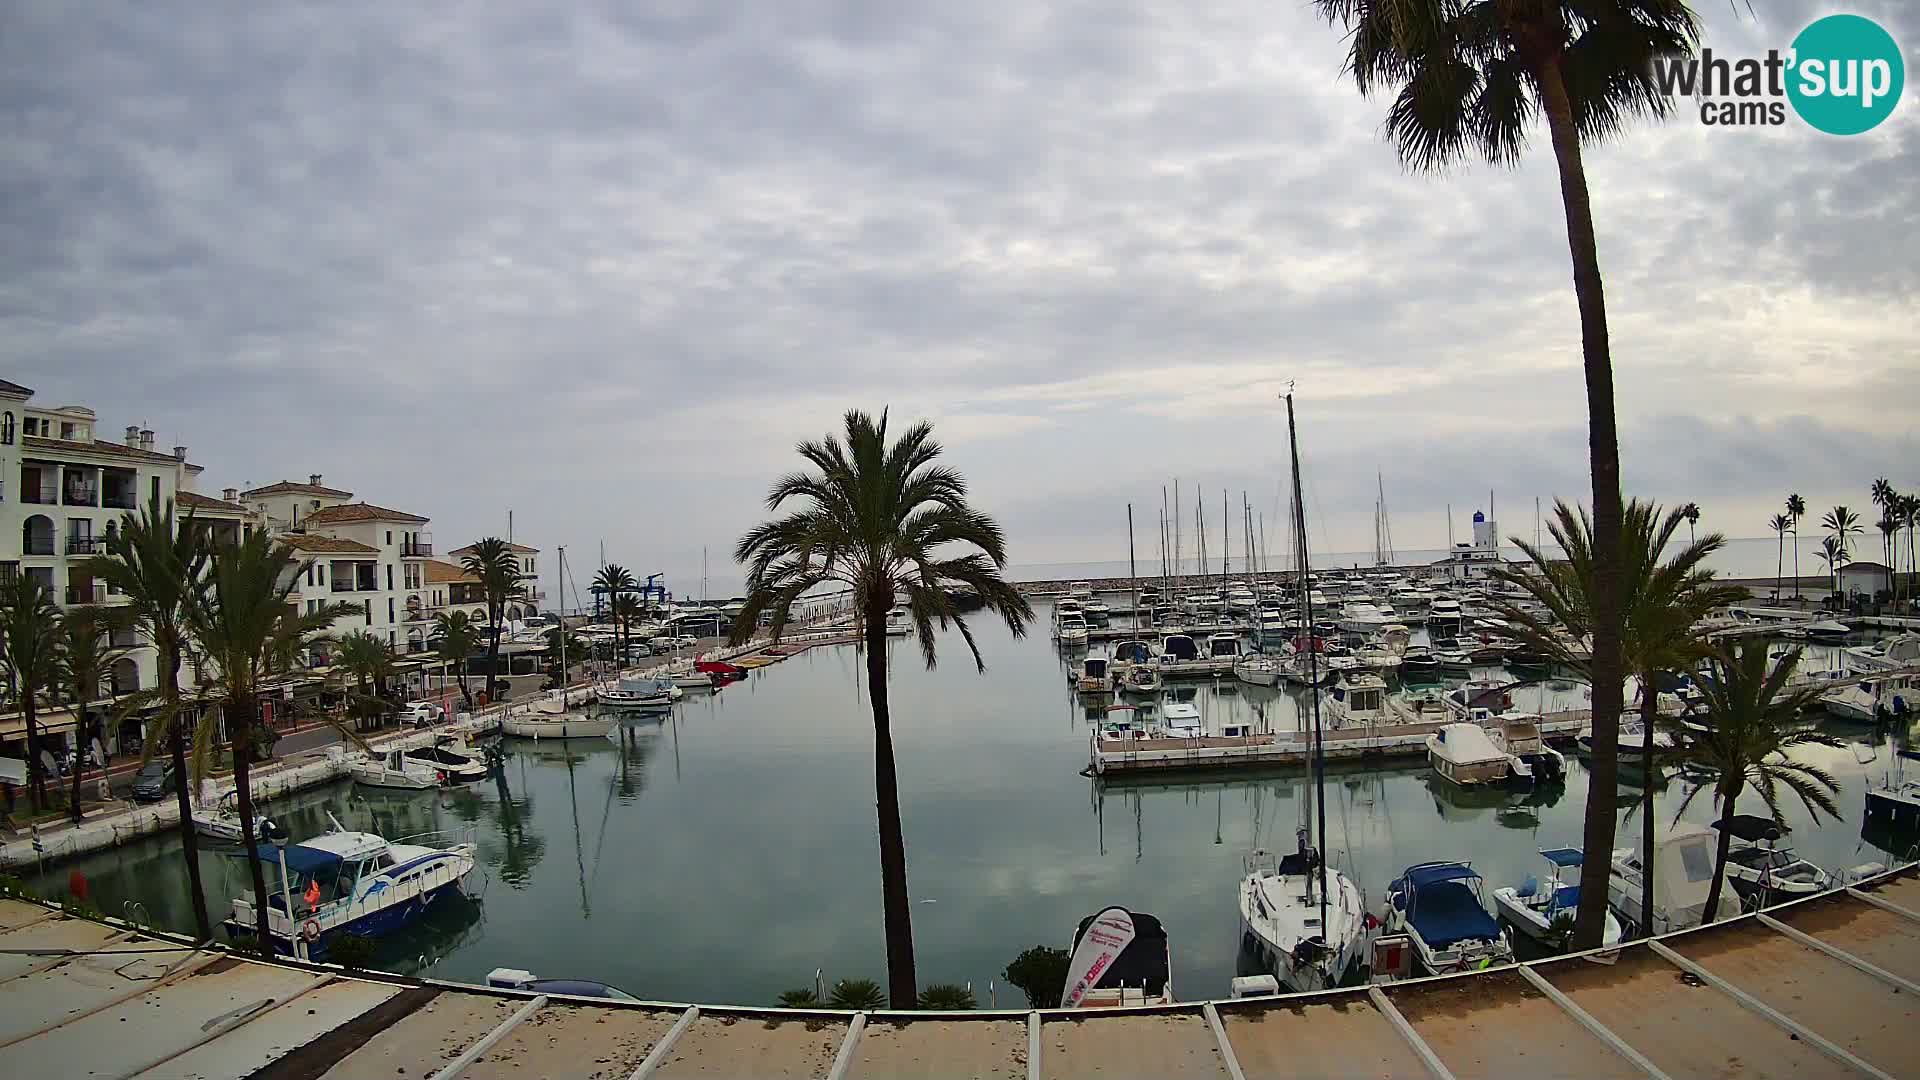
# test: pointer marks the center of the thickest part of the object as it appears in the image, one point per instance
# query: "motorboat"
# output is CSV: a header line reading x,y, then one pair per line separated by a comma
x,y
1889,655
1178,648
1280,911
525,981
1763,872
1358,700
1097,611
1257,670
222,822
1223,646
1488,694
1529,759
1080,590
1241,598
1439,906
899,624
452,758
1466,755
1271,626
1826,631
352,882
1631,746
1364,616
1683,857
394,769
540,724
1118,959
1444,610
640,693
1545,910
1180,720
1139,680
1418,664
1870,700
1071,628
1094,676
686,676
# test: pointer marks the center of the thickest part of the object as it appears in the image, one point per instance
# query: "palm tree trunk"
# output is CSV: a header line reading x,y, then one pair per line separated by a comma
x,y
1796,562
189,839
1603,446
1649,709
79,758
242,735
36,775
1779,563
1720,856
902,988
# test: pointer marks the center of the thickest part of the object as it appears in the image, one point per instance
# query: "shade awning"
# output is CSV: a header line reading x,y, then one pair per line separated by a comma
x,y
1563,856
1435,873
301,859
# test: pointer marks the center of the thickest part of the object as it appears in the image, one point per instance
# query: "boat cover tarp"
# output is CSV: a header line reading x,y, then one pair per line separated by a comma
x,y
1434,873
1752,828
1564,856
1133,652
301,859
1448,912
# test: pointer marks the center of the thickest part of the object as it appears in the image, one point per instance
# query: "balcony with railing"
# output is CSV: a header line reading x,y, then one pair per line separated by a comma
x,y
80,493
85,545
420,547
36,486
120,489
87,593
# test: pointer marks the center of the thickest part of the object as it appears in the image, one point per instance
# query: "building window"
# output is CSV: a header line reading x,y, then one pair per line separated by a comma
x,y
156,489
66,431
389,567
389,609
389,537
309,573
6,429
366,606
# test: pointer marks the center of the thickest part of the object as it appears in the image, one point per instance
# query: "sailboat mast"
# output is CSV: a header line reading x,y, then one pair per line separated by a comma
x,y
1178,552
1314,880
563,626
1133,568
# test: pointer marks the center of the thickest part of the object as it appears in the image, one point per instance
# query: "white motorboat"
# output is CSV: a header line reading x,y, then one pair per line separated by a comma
x,y
1633,740
1080,590
1094,676
685,675
1439,906
222,822
1364,616
1545,910
1256,670
1119,959
1895,801
1488,694
1870,700
1223,646
1763,872
1464,754
640,693
1071,629
1180,720
1358,700
1280,910
540,724
1139,680
1889,655
394,769
1683,857
1529,759
1097,611
353,882
1830,631
452,758
899,624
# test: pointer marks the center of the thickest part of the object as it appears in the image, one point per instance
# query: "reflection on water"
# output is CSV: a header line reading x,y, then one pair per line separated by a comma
x,y
726,852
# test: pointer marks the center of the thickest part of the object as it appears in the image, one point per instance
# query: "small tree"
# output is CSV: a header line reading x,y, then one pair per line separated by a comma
x,y
497,570
85,659
1041,974
455,638
29,654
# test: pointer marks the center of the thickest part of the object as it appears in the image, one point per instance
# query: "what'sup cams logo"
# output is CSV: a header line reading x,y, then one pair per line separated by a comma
x,y
1843,75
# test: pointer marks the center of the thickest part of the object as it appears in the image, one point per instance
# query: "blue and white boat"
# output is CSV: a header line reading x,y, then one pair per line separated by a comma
x,y
353,882
1438,905
1535,905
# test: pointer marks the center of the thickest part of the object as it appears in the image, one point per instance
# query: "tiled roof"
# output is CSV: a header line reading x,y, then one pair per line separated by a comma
x,y
100,446
360,511
288,487
445,573
201,502
327,545
518,548
14,388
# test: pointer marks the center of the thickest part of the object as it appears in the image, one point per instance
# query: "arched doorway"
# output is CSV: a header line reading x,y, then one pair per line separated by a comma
x,y
36,535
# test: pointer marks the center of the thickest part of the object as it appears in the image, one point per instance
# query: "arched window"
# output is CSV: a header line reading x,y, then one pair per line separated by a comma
x,y
6,428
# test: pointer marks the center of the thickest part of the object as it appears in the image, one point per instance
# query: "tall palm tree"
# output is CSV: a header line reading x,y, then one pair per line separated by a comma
x,y
495,567
1661,601
370,662
883,520
159,565
1841,524
626,610
29,654
1909,506
1749,732
247,628
1779,523
1796,509
1470,76
1835,556
1691,512
85,659
1889,528
456,636
1887,500
612,580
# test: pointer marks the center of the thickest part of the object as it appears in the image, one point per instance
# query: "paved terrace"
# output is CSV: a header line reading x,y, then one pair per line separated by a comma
x,y
1828,986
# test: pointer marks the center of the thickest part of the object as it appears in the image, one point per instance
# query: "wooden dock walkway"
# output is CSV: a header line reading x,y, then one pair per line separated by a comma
x,y
1826,986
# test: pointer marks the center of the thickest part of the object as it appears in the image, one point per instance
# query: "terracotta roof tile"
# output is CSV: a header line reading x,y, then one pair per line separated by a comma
x,y
360,511
519,548
445,573
326,545
14,388
288,487
201,502
100,446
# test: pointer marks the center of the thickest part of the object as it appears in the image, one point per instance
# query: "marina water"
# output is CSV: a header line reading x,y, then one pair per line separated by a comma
x,y
728,853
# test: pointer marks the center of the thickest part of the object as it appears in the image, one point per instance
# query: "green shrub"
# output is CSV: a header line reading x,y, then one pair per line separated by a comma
x,y
947,997
1041,974
857,994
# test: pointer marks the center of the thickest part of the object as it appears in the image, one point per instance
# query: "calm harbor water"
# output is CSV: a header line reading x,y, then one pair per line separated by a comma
x,y
727,853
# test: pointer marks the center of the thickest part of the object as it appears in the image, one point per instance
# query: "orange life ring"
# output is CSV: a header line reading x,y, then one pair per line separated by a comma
x,y
311,931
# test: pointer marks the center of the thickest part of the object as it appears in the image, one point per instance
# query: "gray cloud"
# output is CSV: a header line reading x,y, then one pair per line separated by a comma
x,y
603,263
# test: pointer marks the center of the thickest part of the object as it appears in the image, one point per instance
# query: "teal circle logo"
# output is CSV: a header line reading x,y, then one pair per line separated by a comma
x,y
1847,74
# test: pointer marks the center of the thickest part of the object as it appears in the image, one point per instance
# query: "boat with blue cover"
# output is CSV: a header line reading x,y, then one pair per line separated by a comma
x,y
352,882
1439,906
1534,907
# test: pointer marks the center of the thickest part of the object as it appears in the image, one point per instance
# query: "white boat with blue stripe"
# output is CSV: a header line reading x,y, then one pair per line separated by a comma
x,y
353,882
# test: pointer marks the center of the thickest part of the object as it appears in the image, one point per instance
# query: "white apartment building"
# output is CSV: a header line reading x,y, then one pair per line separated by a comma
x,y
354,553
456,589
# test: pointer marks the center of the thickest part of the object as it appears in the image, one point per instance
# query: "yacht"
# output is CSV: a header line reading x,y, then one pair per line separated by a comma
x,y
1272,626
1763,872
1280,910
1255,670
640,693
1359,616
1119,959
1358,700
1071,629
1466,755
1529,759
394,769
1683,857
1223,646
1889,655
1545,910
1867,701
1439,906
1094,676
539,723
353,882
453,758
1181,720
1418,664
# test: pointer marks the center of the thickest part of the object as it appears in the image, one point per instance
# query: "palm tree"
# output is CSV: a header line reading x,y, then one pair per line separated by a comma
x,y
159,566
248,629
1834,556
1691,512
1662,602
626,610
1889,528
1886,499
85,659
1470,78
497,570
883,520
612,580
1796,509
370,662
858,994
1840,524
1909,506
1779,523
29,654
457,636
1750,729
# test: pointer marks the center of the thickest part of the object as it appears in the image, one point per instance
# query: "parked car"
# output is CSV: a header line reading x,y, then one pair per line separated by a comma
x,y
423,713
153,782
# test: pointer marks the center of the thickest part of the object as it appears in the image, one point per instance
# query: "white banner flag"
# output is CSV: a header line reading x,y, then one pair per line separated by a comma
x,y
1107,936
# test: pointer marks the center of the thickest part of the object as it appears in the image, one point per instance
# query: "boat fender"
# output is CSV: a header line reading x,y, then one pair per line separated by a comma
x,y
311,931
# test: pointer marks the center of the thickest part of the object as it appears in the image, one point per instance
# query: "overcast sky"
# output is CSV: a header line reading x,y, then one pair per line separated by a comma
x,y
603,263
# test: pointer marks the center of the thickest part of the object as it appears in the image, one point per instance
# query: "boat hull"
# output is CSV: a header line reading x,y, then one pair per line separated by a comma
x,y
580,727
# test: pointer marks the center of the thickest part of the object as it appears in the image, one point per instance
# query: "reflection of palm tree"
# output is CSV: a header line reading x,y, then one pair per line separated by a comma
x,y
519,851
